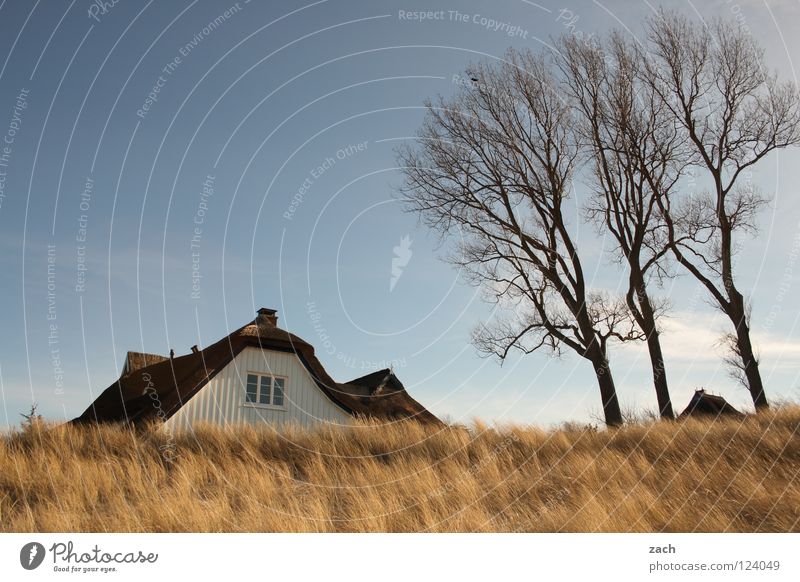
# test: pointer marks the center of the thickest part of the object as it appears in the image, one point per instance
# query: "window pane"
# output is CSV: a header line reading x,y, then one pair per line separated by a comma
x,y
277,397
252,385
264,395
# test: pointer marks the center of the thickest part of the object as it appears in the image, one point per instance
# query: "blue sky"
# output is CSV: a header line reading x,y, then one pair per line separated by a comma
x,y
177,166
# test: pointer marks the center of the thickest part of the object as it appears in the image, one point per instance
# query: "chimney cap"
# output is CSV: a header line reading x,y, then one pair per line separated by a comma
x,y
267,317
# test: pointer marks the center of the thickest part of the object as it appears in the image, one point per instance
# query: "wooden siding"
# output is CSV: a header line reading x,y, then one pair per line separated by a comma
x,y
222,400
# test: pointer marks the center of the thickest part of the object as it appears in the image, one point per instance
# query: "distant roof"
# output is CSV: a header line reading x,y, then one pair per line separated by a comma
x,y
138,360
709,404
380,382
173,382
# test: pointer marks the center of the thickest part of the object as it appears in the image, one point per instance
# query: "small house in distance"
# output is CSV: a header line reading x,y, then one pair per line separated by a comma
x,y
703,403
258,374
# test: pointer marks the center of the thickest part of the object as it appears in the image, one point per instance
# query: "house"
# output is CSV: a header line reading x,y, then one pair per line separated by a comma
x,y
258,374
703,403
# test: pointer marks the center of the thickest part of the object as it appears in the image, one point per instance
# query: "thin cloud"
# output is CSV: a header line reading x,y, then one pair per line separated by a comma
x,y
693,337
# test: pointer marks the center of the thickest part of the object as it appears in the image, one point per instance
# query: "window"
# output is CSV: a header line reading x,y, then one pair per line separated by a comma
x,y
277,391
265,390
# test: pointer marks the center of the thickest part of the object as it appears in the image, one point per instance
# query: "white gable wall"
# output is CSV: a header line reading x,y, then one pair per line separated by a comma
x,y
222,400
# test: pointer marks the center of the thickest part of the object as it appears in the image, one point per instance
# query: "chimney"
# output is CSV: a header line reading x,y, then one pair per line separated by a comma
x,y
194,349
267,316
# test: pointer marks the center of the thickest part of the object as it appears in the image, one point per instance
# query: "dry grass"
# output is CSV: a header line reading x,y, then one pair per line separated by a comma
x,y
684,476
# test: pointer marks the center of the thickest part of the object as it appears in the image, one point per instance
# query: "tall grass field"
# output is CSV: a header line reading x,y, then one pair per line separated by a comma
x,y
691,475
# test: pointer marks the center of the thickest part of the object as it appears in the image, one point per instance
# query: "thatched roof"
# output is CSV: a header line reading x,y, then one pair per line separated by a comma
x,y
171,383
138,360
703,403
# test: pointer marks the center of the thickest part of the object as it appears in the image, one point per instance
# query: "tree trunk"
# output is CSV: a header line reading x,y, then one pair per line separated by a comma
x,y
745,351
659,375
646,318
608,391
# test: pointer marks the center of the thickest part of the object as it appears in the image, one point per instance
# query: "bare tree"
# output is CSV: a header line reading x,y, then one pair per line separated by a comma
x,y
32,419
733,113
629,138
495,163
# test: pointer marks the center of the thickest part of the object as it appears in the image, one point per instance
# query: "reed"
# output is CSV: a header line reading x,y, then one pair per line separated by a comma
x,y
692,475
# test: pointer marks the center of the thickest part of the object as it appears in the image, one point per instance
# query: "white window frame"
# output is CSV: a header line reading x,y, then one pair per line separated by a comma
x,y
257,403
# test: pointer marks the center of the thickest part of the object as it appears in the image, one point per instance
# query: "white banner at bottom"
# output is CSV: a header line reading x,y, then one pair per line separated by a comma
x,y
401,557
